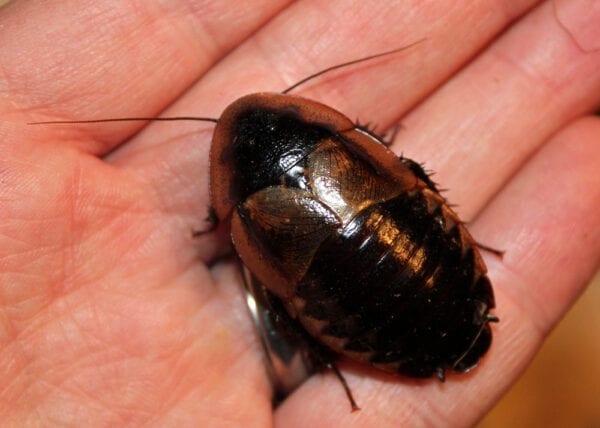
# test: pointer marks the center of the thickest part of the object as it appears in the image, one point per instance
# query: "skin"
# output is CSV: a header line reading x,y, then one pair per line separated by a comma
x,y
109,314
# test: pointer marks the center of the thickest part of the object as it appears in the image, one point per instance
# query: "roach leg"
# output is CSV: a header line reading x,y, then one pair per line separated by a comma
x,y
388,141
492,318
213,221
440,374
383,139
498,253
342,379
418,170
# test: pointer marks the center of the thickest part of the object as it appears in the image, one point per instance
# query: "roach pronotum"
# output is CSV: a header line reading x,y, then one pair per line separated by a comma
x,y
351,247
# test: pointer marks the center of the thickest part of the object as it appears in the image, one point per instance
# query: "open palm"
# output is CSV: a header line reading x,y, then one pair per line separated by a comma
x,y
109,312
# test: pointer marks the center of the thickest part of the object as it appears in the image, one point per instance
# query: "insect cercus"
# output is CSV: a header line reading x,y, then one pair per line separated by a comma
x,y
357,247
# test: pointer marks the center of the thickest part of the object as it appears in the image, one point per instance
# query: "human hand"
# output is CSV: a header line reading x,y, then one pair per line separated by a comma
x,y
109,311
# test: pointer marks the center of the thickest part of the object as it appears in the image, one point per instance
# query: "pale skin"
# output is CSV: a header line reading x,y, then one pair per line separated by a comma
x,y
109,313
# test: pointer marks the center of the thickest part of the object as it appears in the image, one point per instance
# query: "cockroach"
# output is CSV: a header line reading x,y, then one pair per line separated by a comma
x,y
353,247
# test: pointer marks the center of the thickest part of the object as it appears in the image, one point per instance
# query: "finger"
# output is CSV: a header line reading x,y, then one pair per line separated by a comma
x,y
548,218
556,254
284,52
478,129
96,59
221,376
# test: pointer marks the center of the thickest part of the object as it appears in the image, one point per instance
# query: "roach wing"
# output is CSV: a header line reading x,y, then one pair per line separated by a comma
x,y
345,182
276,232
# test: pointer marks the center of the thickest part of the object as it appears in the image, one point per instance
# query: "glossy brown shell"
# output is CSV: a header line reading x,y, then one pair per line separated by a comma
x,y
357,243
312,113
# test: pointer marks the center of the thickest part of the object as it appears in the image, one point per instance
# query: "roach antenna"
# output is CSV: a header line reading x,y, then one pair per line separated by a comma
x,y
356,61
211,119
128,119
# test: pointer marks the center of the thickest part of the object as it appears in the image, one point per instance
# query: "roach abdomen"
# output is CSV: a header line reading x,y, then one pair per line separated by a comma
x,y
400,288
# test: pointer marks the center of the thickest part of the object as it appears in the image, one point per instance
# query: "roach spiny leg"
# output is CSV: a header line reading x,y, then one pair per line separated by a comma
x,y
440,374
388,141
498,253
213,221
342,379
492,318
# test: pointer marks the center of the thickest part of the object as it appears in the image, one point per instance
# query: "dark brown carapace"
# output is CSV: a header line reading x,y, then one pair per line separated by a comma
x,y
356,242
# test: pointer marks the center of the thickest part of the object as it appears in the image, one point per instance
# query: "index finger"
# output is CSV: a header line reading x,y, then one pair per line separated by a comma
x,y
91,59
